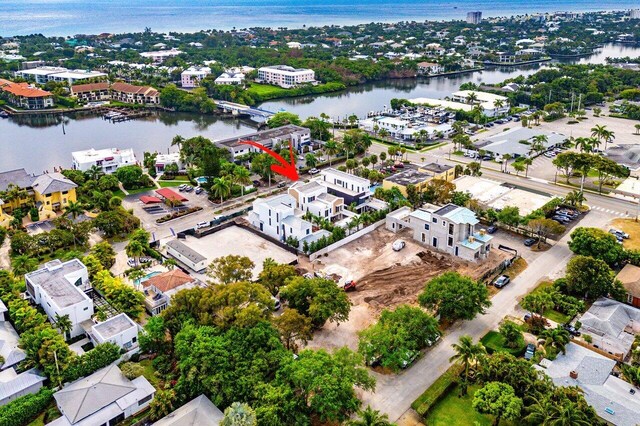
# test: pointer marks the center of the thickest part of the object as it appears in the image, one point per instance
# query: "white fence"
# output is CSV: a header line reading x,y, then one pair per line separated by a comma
x,y
346,240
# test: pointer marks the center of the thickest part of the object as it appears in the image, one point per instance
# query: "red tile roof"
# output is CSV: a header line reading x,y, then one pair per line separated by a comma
x,y
168,280
130,88
91,87
22,89
170,194
148,199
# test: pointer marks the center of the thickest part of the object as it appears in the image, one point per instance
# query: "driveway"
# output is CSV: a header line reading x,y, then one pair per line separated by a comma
x,y
395,393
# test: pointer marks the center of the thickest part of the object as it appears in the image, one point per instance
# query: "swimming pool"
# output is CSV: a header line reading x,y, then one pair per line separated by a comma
x,y
146,277
201,180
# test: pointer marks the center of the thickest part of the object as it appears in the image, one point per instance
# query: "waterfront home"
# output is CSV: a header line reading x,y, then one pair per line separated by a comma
x,y
42,75
108,160
492,105
192,76
230,78
299,137
106,397
92,92
59,288
23,95
128,93
164,160
286,76
427,68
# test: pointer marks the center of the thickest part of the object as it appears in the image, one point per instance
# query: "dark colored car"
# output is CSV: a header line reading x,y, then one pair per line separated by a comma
x,y
256,183
350,286
199,190
530,241
502,281
530,351
282,184
571,329
492,229
562,219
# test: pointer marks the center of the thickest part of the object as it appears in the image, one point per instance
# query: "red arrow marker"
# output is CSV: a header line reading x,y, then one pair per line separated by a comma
x,y
285,169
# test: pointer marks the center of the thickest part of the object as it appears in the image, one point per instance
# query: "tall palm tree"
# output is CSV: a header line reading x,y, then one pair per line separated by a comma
x,y
472,97
466,352
331,148
177,141
23,264
599,131
221,188
527,162
538,144
135,249
583,144
63,323
310,160
370,417
568,414
540,411
73,209
94,172
609,136
241,177
556,337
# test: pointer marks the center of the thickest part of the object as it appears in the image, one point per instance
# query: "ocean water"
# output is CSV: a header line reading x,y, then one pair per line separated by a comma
x,y
68,17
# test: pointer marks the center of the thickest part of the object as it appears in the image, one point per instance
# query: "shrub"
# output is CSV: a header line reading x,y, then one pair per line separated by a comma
x,y
131,370
24,409
88,363
438,389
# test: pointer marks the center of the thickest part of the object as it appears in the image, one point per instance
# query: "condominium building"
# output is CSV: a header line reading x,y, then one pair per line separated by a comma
x,y
634,14
160,56
299,137
192,76
92,92
42,75
131,94
23,95
230,78
108,160
286,76
474,17
59,289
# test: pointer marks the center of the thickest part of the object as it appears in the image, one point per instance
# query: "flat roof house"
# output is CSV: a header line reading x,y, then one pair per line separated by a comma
x,y
200,411
299,137
450,229
186,255
41,75
119,330
109,160
160,56
192,76
419,177
286,76
59,288
106,397
351,188
313,197
25,96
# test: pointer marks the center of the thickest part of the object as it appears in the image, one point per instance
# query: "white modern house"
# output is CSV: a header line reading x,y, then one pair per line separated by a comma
x,y
163,160
351,188
119,330
450,229
402,129
269,213
59,289
286,76
192,76
109,160
106,397
186,255
42,75
492,105
160,56
299,137
314,198
230,78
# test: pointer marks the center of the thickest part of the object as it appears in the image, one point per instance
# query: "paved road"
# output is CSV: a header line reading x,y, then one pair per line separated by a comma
x,y
395,393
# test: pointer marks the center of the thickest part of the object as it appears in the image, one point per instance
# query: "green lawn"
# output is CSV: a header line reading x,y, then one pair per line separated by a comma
x,y
172,183
552,314
495,342
149,372
266,90
453,410
140,190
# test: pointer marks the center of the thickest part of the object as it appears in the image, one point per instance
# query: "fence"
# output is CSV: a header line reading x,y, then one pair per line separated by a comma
x,y
346,240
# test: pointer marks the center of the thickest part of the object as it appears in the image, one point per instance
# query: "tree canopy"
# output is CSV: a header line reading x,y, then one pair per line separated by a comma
x,y
454,296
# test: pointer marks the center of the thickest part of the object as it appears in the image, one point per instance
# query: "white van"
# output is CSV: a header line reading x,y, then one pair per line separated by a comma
x,y
202,225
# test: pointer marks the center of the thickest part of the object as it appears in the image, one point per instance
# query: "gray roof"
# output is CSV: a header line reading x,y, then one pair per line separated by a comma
x,y
197,412
186,251
409,177
3,307
49,183
509,142
612,323
18,177
51,279
9,340
436,167
19,382
88,395
114,326
265,137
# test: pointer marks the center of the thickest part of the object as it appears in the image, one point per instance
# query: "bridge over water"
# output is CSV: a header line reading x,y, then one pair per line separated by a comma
x,y
235,108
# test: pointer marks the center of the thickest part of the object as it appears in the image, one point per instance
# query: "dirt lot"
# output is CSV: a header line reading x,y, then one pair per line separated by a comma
x,y
385,278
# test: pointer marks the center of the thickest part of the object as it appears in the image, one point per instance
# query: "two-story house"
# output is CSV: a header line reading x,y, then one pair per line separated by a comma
x,y
351,188
53,192
59,288
449,229
159,289
299,137
119,330
314,198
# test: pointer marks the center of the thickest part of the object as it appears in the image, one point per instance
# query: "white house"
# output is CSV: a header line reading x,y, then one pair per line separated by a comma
x,y
160,56
268,215
313,197
119,330
286,76
230,78
42,75
9,342
108,160
106,397
492,105
14,385
299,137
429,68
159,289
163,160
351,188
186,255
192,76
59,289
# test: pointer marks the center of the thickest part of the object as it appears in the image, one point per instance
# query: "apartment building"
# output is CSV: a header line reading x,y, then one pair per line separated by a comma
x,y
314,198
286,76
24,95
92,92
128,93
59,288
299,137
108,160
449,229
474,17
192,76
158,57
42,75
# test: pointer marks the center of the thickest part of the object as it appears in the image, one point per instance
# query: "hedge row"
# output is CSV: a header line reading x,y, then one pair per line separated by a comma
x,y
90,362
438,390
22,410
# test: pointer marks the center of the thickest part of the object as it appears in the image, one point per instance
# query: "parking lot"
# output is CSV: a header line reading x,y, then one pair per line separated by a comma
x,y
235,240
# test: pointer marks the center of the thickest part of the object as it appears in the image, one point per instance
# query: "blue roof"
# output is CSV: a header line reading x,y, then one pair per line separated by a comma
x,y
473,245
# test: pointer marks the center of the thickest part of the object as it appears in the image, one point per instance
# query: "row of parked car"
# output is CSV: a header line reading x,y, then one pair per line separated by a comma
x,y
188,188
620,235
565,215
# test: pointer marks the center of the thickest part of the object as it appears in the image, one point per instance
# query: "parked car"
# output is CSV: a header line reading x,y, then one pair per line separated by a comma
x,y
571,329
619,233
530,351
182,187
549,154
492,229
349,286
530,241
487,157
189,188
200,225
256,183
408,357
199,190
399,165
502,281
562,219
308,275
527,316
570,213
398,245
276,303
430,343
314,171
282,184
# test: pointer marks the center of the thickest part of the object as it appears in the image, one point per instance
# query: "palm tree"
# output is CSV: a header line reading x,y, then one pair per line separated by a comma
x,y
609,136
239,414
331,148
584,144
568,414
527,162
177,140
241,177
472,97
73,209
466,352
575,198
135,249
94,172
370,417
170,263
637,127
498,103
556,337
538,145
221,188
63,323
310,160
599,131
518,166
505,159
23,264
539,412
